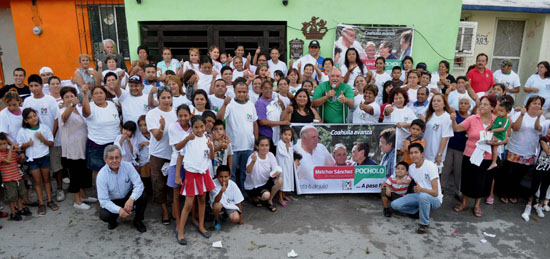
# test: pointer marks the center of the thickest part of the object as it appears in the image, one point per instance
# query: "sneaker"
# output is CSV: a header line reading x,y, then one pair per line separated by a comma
x,y
16,217
66,180
422,229
60,195
217,225
526,213
540,212
82,206
546,207
89,199
387,212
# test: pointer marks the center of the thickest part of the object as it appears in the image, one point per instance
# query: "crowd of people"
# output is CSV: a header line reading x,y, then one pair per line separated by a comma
x,y
215,130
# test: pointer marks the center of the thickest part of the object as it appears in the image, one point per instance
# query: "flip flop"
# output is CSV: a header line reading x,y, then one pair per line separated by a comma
x,y
477,212
460,207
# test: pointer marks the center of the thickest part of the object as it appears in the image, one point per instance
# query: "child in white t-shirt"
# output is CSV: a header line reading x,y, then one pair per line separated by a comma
x,y
143,154
226,197
128,142
285,160
197,159
36,138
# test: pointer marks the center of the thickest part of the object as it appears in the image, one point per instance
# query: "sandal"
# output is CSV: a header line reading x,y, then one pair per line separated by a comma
x,y
460,207
256,203
270,207
477,212
513,200
504,200
41,210
288,199
283,203
52,206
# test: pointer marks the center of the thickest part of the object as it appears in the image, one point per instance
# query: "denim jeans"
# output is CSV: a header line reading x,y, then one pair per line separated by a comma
x,y
413,202
239,161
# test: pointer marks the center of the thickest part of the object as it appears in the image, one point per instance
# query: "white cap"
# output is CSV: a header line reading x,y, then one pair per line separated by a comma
x,y
44,70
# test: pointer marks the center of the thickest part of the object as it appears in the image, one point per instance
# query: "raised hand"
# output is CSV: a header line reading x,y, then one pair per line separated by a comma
x,y
162,121
342,97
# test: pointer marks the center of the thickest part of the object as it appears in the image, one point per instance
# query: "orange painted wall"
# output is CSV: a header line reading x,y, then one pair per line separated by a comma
x,y
58,45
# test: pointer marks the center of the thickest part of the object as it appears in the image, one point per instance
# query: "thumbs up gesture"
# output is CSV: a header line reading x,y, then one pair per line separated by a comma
x,y
342,97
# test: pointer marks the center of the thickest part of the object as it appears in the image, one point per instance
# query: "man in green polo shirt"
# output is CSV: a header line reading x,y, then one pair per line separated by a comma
x,y
334,98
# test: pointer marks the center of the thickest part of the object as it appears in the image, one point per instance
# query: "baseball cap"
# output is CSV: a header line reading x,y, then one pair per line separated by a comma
x,y
506,63
314,44
44,70
135,79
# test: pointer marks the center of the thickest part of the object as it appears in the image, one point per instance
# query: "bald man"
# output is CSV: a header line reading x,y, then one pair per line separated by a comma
x,y
334,97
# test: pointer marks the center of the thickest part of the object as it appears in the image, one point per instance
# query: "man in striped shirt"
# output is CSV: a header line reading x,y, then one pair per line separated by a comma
x,y
395,186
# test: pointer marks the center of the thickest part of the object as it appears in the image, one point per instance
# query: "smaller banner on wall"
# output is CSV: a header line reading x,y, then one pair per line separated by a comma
x,y
392,43
342,158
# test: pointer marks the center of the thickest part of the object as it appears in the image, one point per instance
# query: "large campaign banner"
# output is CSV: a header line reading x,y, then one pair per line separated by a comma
x,y
392,43
342,158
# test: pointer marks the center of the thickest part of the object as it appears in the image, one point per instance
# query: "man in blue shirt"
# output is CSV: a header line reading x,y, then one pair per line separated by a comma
x,y
120,190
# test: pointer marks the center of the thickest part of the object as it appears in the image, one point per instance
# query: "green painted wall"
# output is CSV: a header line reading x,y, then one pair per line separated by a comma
x,y
436,20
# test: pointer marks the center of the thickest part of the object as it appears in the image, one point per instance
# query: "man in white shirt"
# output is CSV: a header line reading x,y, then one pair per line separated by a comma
x,y
311,58
346,41
240,116
313,153
133,102
508,78
427,192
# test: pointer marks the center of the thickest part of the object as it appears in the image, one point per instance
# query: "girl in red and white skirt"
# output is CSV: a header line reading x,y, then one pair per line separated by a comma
x,y
197,159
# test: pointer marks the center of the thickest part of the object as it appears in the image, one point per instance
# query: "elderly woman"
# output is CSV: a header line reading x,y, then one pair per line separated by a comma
x,y
85,75
452,165
73,133
476,180
109,47
300,111
526,128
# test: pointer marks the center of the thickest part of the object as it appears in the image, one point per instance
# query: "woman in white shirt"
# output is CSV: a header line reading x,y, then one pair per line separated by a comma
x,y
539,84
379,77
455,95
352,67
522,146
367,111
73,133
110,62
160,152
103,123
396,112
412,85
439,128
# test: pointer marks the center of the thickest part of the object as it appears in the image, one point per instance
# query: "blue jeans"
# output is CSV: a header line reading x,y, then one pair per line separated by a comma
x,y
239,161
413,202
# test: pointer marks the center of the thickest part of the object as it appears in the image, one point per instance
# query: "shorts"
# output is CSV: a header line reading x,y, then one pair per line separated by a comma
x,y
94,155
230,211
40,163
394,196
55,159
171,182
257,192
15,190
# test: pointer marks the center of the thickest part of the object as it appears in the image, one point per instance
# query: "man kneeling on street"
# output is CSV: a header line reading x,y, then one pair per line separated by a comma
x,y
120,190
427,194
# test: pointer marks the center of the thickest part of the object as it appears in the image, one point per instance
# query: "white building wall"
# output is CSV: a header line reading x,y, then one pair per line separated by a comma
x,y
10,56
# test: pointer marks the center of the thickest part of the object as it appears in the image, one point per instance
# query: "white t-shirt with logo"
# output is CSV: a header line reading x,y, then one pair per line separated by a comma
x,y
160,148
380,79
215,102
133,106
361,117
196,155
355,73
205,81
240,119
437,127
424,175
46,108
524,142
103,123
261,172
179,100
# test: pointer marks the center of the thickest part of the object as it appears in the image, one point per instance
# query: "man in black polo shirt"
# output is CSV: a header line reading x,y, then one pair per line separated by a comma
x,y
19,75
